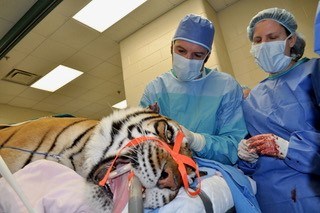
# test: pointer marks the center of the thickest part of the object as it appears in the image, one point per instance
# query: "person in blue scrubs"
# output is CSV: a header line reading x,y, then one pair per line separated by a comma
x,y
206,102
282,113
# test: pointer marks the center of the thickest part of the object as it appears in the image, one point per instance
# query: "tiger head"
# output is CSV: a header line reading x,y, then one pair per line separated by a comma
x,y
154,166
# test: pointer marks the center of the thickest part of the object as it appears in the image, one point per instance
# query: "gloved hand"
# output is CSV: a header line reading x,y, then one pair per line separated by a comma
x,y
196,141
245,153
269,144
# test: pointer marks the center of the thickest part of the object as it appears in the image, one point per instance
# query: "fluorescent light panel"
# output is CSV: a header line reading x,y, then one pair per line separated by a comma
x,y
121,105
101,14
57,78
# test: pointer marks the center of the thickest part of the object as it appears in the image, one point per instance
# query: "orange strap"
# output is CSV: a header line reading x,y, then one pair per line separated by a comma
x,y
179,158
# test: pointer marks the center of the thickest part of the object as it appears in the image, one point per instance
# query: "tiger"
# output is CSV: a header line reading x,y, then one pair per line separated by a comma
x,y
90,146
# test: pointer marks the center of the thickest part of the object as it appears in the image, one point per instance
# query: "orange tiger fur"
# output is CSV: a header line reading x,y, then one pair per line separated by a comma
x,y
87,146
49,135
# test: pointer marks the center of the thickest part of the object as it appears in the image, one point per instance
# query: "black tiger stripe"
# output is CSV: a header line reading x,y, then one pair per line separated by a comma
x,y
155,116
152,164
164,200
158,156
130,128
8,139
117,126
61,132
134,159
35,150
76,141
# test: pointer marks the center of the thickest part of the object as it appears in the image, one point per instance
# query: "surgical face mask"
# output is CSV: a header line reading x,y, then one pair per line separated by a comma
x,y
270,56
186,69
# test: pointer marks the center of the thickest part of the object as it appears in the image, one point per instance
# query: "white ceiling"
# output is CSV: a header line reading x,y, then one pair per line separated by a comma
x,y
59,39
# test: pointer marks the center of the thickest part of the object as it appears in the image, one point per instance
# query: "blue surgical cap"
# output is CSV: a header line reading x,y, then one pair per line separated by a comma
x,y
195,29
281,16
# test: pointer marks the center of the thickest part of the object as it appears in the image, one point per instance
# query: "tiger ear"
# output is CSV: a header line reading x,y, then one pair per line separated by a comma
x,y
164,134
154,107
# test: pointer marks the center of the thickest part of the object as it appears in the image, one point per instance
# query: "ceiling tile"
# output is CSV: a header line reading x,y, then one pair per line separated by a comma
x,y
82,61
36,65
87,81
5,26
22,102
149,11
92,96
53,51
30,42
106,71
72,91
109,101
118,79
71,107
19,8
221,4
41,106
34,94
102,47
115,60
109,88
122,29
10,88
69,8
9,62
5,98
57,99
90,109
74,34
51,23
176,2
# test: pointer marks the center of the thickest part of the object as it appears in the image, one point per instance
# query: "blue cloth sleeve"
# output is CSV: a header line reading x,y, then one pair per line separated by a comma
x,y
304,152
222,146
145,99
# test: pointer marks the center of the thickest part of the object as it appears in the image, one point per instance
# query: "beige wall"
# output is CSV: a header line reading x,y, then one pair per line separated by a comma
x,y
146,54
235,19
11,114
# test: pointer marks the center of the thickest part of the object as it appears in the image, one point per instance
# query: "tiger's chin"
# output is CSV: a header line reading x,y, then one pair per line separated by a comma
x,y
156,197
102,199
114,197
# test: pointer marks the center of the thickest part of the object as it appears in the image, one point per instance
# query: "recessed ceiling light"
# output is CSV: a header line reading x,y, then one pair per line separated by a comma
x,y
101,14
56,78
121,105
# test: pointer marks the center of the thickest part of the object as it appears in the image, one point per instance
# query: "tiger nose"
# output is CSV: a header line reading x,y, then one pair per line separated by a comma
x,y
168,180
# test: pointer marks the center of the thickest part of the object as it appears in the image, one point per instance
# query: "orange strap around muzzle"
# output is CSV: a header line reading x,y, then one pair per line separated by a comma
x,y
180,159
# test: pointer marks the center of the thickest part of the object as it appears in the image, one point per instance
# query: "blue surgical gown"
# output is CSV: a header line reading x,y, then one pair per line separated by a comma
x,y
286,105
210,106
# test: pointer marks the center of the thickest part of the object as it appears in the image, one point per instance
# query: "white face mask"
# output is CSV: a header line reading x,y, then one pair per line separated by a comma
x,y
186,69
270,56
